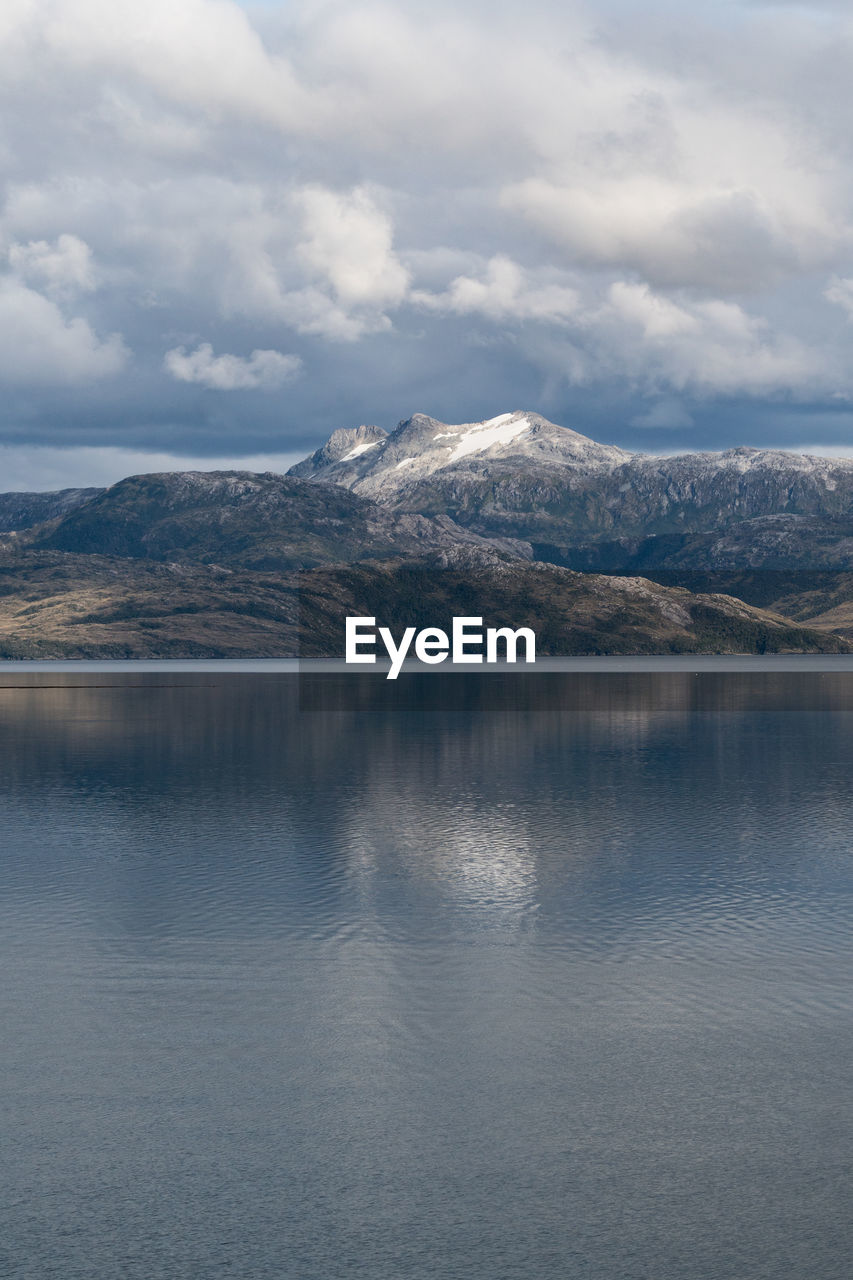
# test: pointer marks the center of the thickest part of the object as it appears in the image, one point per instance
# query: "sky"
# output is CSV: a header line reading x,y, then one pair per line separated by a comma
x,y
227,230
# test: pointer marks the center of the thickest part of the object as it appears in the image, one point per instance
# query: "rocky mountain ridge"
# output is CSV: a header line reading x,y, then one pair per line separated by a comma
x,y
244,520
521,476
514,519
23,510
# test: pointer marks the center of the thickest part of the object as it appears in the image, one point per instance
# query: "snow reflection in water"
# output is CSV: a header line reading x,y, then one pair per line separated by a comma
x,y
458,978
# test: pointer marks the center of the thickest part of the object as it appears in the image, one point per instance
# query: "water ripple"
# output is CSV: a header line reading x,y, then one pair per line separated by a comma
x,y
554,984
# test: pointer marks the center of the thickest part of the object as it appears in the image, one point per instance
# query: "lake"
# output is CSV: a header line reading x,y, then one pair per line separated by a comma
x,y
536,976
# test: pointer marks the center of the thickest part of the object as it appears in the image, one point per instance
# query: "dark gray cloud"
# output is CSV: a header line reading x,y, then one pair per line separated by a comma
x,y
227,230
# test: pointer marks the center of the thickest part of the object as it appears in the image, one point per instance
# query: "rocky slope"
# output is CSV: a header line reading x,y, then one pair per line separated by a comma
x,y
23,510
773,542
571,613
56,604
242,520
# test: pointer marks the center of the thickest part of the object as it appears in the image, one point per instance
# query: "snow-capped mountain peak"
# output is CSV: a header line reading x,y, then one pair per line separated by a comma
x,y
517,475
379,465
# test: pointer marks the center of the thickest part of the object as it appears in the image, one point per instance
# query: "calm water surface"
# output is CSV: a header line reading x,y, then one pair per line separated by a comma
x,y
528,976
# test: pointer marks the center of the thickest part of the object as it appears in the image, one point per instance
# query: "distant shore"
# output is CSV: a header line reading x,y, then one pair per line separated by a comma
x,y
625,663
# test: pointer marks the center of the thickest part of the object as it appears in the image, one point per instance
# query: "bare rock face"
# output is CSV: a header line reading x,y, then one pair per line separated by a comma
x,y
343,445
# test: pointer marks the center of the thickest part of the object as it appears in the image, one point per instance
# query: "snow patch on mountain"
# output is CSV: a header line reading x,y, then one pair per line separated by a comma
x,y
359,450
477,436
384,466
517,475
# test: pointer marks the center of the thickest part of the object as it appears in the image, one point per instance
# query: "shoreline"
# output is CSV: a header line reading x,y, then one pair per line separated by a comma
x,y
616,663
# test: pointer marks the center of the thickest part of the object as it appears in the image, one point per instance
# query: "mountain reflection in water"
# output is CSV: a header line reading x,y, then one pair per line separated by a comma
x,y
533,975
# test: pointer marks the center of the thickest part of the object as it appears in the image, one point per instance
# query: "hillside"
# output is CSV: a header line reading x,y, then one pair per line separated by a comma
x,y
242,520
571,613
63,605
23,510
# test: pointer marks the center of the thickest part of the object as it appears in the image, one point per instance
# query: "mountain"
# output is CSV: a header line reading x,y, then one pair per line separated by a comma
x,y
424,451
514,519
507,476
518,475
23,510
770,561
56,604
242,520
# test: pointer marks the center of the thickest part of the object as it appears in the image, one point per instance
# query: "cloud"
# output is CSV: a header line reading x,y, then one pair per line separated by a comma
x,y
669,415
343,264
348,242
39,346
28,468
200,54
503,292
840,291
317,260
581,205
262,371
686,229
706,347
634,333
62,268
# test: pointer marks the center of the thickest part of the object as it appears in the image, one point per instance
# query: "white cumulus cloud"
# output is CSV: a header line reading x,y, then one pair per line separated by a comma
x,y
706,347
348,242
40,346
503,291
261,371
61,268
201,54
